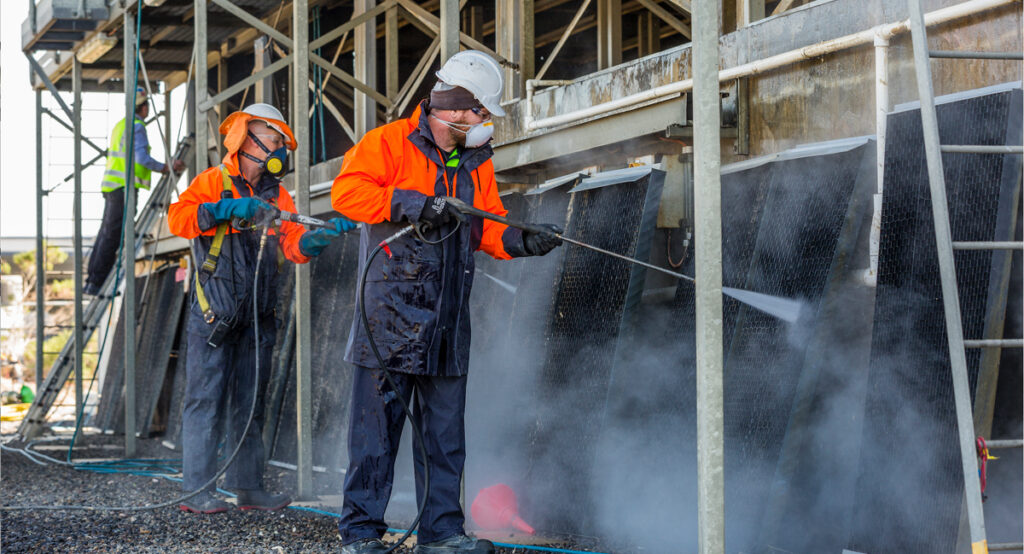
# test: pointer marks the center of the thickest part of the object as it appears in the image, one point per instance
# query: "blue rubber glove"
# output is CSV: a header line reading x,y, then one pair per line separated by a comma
x,y
313,243
243,208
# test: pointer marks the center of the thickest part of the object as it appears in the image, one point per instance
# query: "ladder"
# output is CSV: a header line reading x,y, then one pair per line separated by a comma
x,y
48,392
947,270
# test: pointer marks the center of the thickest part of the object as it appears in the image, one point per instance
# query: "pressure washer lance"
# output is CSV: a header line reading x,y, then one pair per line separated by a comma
x,y
785,309
304,220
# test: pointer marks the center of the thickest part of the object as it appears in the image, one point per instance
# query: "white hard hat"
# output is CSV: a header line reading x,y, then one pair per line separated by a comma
x,y
140,96
266,113
479,74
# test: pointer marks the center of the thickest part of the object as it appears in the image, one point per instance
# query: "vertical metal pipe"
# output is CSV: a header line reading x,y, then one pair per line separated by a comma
x,y
202,90
222,83
708,257
449,29
76,122
881,115
365,69
167,126
303,330
40,247
609,33
190,127
128,243
947,274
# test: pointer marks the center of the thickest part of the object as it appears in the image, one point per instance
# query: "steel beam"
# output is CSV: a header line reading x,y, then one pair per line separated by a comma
x,y
128,252
514,40
667,17
708,258
391,63
41,73
71,128
356,21
234,89
365,69
303,329
561,40
609,33
76,214
449,28
40,247
202,91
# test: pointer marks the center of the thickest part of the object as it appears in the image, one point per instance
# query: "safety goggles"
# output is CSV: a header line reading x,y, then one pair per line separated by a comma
x,y
482,112
274,139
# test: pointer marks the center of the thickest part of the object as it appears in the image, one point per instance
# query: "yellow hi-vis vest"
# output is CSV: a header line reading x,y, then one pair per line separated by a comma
x,y
113,178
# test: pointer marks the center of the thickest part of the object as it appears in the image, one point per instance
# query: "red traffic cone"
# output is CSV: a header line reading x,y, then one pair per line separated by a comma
x,y
496,508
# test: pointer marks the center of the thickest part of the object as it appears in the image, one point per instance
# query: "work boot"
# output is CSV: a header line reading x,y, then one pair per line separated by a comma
x,y
90,289
204,503
365,546
456,544
261,500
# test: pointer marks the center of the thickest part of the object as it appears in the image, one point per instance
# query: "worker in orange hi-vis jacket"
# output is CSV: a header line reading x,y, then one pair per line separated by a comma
x,y
417,299
222,342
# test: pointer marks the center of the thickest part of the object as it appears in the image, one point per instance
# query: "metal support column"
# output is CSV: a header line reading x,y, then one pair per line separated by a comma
x,y
167,124
303,329
40,247
263,91
449,29
515,42
365,116
609,33
128,252
76,122
222,83
392,81
708,256
202,90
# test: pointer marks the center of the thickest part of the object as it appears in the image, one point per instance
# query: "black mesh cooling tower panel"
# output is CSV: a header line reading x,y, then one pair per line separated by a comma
x,y
159,313
508,339
593,300
333,279
790,228
910,486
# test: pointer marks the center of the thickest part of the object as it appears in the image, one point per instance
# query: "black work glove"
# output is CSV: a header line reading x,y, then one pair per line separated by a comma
x,y
540,243
437,212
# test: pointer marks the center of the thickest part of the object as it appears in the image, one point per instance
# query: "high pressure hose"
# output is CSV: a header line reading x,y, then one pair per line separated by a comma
x,y
238,446
383,245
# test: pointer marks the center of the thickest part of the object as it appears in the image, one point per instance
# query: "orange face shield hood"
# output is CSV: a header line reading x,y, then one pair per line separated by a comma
x,y
235,130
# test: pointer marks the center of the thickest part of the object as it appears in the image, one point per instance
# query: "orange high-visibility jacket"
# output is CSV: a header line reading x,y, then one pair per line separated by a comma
x,y
229,288
417,298
183,216
385,160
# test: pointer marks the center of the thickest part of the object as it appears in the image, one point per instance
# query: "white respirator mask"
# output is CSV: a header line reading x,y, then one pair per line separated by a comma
x,y
476,135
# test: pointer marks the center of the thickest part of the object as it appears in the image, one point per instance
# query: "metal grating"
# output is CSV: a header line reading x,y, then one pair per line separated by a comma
x,y
162,304
591,305
333,279
903,504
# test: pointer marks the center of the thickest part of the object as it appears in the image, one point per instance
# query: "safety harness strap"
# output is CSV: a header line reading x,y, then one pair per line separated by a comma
x,y
210,264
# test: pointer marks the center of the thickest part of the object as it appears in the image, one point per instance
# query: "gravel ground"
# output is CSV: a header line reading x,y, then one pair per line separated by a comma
x,y
163,530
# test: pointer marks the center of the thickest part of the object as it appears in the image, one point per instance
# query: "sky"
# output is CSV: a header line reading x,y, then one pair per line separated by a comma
x,y
101,111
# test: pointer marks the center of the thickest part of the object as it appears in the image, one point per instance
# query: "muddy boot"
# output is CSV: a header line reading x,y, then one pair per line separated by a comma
x,y
204,503
365,546
261,500
456,544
